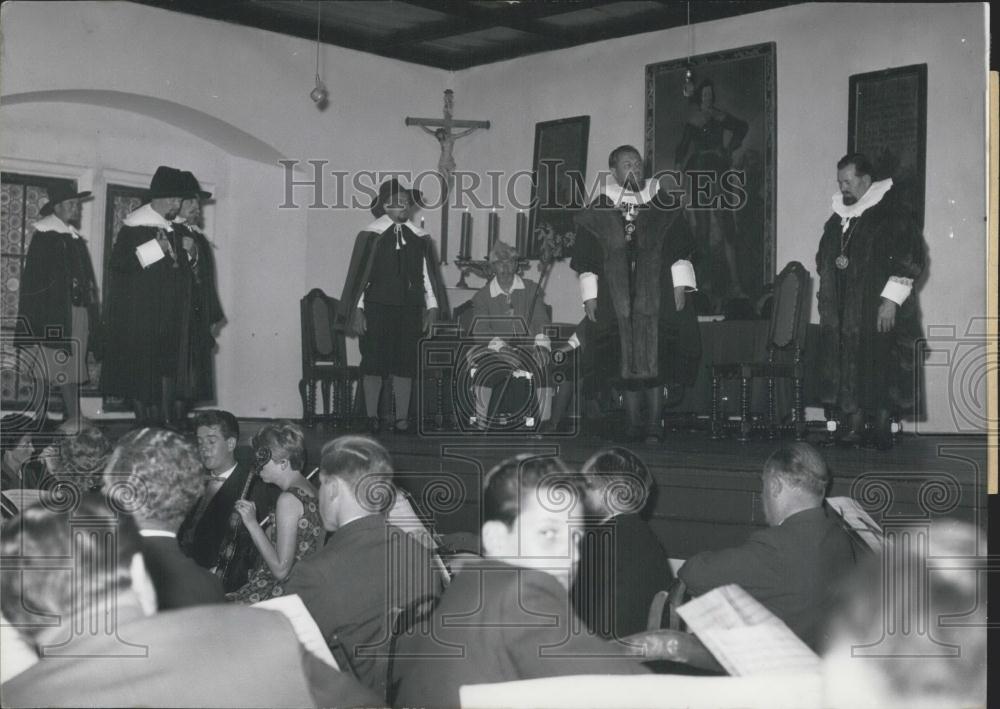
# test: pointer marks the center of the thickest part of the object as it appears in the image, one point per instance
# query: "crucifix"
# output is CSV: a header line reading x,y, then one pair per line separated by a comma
x,y
441,129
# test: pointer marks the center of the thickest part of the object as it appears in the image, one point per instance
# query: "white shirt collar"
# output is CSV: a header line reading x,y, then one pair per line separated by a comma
x,y
619,195
157,533
876,191
54,223
225,473
182,222
384,223
147,216
496,290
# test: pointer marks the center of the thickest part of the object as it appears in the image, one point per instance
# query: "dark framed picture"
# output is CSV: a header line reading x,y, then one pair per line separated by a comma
x,y
713,137
888,123
120,201
558,171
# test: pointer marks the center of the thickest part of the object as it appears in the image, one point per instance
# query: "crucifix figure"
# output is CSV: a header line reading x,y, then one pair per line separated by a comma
x,y
442,130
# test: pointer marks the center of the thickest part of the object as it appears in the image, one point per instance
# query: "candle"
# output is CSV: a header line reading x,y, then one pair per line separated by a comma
x,y
522,235
491,235
465,247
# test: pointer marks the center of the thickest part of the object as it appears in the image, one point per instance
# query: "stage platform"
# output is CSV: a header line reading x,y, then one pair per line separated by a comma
x,y
708,495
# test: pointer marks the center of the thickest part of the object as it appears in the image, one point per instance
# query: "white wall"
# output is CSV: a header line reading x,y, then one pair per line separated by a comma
x,y
818,47
258,82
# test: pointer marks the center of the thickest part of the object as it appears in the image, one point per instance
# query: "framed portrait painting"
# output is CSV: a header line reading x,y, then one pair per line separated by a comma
x,y
558,170
712,135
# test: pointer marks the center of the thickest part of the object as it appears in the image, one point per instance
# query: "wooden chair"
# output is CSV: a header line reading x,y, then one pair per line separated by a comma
x,y
673,643
668,600
785,335
324,361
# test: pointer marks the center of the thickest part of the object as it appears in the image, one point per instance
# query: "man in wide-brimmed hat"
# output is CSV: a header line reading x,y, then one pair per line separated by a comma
x,y
201,311
392,294
146,277
58,295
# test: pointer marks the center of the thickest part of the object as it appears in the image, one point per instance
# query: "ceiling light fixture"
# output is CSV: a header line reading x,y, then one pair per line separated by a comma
x,y
319,94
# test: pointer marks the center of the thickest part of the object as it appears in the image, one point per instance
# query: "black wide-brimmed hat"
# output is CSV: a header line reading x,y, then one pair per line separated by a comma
x,y
168,182
390,189
60,193
194,188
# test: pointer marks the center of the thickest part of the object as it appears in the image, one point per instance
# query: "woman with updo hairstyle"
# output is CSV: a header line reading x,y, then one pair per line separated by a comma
x,y
618,539
295,530
78,460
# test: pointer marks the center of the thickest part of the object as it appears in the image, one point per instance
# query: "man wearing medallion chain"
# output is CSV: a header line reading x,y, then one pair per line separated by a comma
x,y
869,256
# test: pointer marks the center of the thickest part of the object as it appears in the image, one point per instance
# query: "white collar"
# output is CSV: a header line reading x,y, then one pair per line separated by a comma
x,y
384,223
496,290
619,195
190,227
876,191
147,216
157,533
224,474
54,223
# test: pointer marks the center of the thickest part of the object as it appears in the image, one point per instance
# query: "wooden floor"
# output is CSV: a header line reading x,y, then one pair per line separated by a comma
x,y
708,490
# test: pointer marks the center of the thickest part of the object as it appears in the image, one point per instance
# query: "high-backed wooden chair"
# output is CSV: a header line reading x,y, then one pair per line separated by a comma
x,y
785,340
324,361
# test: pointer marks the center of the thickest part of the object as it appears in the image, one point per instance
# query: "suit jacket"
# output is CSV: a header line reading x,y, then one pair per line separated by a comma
x,y
178,580
202,538
221,656
497,623
367,567
622,566
791,569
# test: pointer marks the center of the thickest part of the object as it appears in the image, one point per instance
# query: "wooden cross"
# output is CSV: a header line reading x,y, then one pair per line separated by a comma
x,y
441,129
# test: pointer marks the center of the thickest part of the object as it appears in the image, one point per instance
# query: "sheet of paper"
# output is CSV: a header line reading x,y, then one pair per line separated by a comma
x,y
303,623
859,520
149,253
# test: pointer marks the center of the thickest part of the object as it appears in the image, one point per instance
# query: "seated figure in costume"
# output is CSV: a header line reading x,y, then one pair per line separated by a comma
x,y
631,254
517,349
392,295
297,530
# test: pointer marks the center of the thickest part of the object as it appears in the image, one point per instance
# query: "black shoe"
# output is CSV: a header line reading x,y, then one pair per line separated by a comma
x,y
374,425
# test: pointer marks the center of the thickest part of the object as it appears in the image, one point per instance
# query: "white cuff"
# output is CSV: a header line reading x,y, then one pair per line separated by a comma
x,y
496,344
429,300
361,301
542,340
573,341
897,289
588,286
682,273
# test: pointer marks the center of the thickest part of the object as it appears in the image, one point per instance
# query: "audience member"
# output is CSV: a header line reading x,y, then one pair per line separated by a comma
x,y
79,459
622,564
508,617
21,439
368,566
156,475
208,656
297,530
886,650
792,566
206,527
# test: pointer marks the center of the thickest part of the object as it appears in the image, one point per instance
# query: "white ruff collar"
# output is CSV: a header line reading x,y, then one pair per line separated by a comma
x,y
191,227
496,290
54,223
619,195
870,198
384,223
147,216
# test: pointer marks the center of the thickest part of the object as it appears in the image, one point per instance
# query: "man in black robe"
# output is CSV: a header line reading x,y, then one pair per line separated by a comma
x,y
200,309
631,254
869,256
58,294
146,281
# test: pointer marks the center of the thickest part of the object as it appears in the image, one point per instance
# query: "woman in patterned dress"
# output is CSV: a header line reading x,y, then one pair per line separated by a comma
x,y
295,529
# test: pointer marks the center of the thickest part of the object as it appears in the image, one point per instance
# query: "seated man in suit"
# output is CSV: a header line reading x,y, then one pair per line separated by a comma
x,y
508,616
622,564
160,473
517,345
792,566
368,565
211,656
206,527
